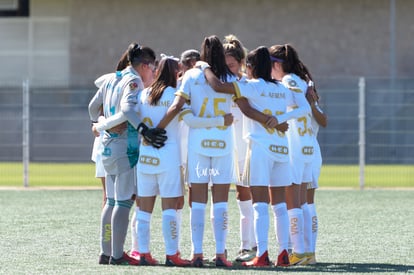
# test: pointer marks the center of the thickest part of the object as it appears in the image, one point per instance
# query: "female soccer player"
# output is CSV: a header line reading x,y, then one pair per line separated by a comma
x,y
235,55
120,155
159,169
118,125
210,150
319,118
267,182
97,144
287,68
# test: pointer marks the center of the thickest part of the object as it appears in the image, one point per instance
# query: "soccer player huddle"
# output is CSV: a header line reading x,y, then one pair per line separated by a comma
x,y
213,118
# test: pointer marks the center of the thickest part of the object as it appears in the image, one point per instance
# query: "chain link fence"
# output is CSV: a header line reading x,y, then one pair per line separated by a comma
x,y
58,126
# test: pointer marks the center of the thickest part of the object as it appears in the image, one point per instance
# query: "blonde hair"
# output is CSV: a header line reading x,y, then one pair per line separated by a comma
x,y
233,47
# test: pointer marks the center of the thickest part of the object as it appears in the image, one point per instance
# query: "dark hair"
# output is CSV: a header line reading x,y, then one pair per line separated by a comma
x,y
166,76
138,54
123,61
259,61
212,52
290,61
188,56
233,47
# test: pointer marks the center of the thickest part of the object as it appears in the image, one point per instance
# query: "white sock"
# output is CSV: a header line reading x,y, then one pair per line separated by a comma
x,y
169,231
248,240
143,229
314,218
197,216
179,221
220,225
296,230
134,235
290,245
281,225
307,227
212,218
261,226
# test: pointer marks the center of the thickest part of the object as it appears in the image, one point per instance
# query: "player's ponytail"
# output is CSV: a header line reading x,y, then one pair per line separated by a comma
x,y
289,59
212,52
260,62
123,61
233,47
137,54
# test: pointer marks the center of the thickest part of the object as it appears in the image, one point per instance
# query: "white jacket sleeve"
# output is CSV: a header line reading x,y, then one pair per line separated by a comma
x,y
302,107
201,122
112,121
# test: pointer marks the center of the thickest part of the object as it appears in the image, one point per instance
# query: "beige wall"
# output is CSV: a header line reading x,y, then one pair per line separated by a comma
x,y
82,39
334,38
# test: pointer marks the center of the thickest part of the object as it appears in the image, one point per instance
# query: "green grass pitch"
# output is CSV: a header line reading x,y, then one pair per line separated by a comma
x,y
57,232
82,175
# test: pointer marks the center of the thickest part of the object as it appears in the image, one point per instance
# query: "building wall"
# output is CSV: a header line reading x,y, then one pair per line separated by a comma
x,y
82,39
36,47
334,38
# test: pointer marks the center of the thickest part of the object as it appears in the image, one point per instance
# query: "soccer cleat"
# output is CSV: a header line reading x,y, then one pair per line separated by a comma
x,y
245,255
311,259
135,254
197,262
214,258
258,261
175,260
206,260
283,259
297,259
222,262
147,259
124,260
103,259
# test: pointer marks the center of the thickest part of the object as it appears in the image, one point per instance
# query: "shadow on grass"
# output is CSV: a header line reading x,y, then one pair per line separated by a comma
x,y
333,268
355,268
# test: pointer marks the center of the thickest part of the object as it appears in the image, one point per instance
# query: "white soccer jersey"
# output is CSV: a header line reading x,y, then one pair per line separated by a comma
x,y
300,133
119,94
205,102
153,160
240,142
268,98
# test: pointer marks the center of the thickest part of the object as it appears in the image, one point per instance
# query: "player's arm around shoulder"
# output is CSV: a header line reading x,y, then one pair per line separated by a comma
x,y
317,112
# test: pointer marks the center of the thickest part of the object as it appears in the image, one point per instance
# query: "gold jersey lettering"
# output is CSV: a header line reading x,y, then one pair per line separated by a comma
x,y
217,110
149,160
314,224
225,221
294,226
107,234
276,95
213,143
173,228
307,150
279,149
165,103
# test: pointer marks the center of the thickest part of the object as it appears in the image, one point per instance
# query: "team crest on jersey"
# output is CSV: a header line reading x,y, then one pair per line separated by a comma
x,y
292,83
133,86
